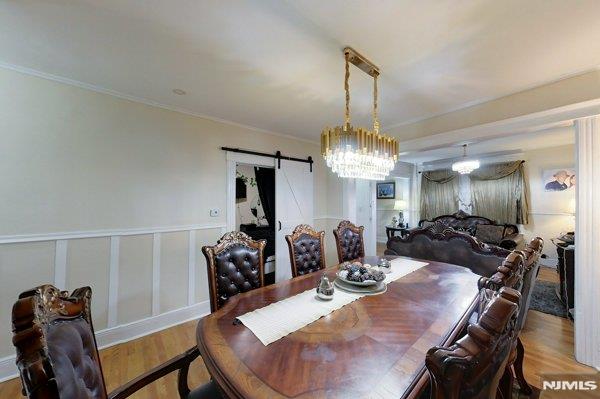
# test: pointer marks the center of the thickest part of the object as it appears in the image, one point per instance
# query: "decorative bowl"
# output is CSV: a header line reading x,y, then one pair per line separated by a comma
x,y
342,276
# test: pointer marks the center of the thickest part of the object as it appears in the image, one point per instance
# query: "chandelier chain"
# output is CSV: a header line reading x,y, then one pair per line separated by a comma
x,y
375,118
347,89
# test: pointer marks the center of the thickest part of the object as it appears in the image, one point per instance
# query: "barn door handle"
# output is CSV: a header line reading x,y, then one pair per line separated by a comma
x,y
279,221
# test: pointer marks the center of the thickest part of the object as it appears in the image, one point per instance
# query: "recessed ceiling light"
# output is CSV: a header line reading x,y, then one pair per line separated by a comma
x,y
179,92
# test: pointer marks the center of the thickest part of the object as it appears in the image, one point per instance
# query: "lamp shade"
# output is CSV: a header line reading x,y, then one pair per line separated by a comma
x,y
399,205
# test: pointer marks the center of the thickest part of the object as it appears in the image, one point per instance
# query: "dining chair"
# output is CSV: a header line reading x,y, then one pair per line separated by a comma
x,y
235,264
57,354
508,274
349,241
532,253
519,272
307,251
477,365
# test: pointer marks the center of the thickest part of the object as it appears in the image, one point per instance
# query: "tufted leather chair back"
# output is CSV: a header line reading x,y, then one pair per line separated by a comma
x,y
234,265
473,366
349,241
57,354
449,246
307,251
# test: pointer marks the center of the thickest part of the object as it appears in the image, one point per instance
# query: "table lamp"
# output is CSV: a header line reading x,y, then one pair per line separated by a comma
x,y
400,205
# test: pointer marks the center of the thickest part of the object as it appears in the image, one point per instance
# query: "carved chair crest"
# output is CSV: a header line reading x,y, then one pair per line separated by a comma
x,y
349,250
509,273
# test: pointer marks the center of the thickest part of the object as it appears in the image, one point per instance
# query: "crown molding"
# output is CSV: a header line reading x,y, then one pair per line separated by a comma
x,y
488,99
140,100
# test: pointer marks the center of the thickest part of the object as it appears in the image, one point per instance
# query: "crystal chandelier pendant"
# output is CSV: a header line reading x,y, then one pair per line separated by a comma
x,y
465,166
356,152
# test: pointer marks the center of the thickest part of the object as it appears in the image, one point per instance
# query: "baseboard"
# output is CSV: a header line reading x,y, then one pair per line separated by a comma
x,y
126,332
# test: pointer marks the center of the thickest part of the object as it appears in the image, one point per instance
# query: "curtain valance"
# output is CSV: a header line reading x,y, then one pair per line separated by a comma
x,y
440,176
495,171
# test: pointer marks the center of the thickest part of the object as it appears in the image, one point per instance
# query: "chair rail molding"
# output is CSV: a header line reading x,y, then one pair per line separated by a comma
x,y
587,276
116,333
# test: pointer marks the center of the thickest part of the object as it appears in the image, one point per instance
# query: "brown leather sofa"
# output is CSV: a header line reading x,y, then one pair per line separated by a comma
x,y
506,236
449,246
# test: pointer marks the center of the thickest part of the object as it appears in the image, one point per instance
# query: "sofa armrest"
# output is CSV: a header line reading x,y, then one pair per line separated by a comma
x,y
513,242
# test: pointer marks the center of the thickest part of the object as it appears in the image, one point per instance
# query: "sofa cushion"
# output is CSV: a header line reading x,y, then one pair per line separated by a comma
x,y
489,233
427,223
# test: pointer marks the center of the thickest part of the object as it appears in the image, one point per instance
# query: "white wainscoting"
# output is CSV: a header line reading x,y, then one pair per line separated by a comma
x,y
115,333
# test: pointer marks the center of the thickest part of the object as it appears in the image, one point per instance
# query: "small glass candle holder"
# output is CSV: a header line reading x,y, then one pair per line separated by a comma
x,y
385,265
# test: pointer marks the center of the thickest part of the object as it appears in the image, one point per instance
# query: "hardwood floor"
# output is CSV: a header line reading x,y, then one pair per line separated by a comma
x,y
548,342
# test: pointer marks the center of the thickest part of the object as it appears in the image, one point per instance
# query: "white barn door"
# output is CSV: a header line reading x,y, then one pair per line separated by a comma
x,y
293,206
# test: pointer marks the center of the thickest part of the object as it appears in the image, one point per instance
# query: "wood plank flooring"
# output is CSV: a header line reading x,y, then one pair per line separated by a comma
x,y
548,342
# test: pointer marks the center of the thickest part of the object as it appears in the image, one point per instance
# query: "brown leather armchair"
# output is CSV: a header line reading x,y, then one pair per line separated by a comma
x,y
307,251
477,365
57,355
235,265
349,241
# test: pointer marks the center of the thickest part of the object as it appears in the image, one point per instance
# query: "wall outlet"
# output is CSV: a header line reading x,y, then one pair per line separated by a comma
x,y
214,213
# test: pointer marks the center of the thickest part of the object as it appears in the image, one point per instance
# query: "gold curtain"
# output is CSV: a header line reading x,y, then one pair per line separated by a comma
x,y
499,192
439,193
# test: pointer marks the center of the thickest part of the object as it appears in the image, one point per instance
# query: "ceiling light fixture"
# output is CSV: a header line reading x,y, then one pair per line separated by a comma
x,y
357,152
465,166
179,92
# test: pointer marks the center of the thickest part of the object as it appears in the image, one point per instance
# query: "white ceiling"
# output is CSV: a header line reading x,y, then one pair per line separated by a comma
x,y
277,65
495,149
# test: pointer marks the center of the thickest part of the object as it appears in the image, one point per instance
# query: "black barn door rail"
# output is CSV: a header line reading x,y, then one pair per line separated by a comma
x,y
277,156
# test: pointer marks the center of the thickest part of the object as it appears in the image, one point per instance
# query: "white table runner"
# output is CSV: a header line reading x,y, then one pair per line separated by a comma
x,y
281,318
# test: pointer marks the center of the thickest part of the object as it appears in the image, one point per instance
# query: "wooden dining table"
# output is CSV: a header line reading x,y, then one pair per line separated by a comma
x,y
373,347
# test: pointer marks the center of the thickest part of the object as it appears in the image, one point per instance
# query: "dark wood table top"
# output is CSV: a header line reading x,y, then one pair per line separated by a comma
x,y
373,347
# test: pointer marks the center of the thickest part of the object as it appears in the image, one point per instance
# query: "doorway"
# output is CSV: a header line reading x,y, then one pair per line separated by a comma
x,y
284,190
255,209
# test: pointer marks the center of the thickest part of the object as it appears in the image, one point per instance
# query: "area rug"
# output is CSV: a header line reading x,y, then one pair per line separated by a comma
x,y
544,299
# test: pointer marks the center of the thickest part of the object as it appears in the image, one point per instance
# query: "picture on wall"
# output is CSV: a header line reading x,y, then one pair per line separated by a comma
x,y
386,190
558,179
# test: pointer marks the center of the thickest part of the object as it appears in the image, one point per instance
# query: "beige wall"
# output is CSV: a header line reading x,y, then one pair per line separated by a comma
x,y
76,160
568,91
549,211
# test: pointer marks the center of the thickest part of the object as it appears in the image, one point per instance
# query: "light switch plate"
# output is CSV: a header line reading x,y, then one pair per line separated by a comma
x,y
214,213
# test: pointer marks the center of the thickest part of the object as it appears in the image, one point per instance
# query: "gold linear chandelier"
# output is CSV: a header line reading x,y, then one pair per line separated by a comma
x,y
357,152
